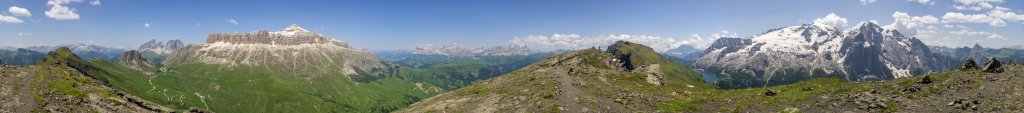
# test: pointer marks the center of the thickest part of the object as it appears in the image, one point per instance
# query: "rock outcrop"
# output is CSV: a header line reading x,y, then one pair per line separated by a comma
x,y
133,59
2,63
993,66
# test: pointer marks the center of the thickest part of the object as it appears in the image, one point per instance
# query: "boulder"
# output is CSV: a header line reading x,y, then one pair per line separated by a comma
x,y
1010,62
2,63
993,66
926,80
769,93
969,65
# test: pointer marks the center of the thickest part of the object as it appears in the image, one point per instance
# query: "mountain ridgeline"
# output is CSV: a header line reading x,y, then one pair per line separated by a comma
x,y
796,53
626,77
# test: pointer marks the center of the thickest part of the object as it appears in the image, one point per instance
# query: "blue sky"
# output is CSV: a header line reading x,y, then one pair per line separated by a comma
x,y
398,24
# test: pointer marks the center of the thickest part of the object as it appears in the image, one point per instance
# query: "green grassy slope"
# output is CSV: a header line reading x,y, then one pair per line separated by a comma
x,y
255,89
642,55
263,89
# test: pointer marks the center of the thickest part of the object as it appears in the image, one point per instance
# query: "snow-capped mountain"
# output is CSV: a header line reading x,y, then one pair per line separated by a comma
x,y
795,53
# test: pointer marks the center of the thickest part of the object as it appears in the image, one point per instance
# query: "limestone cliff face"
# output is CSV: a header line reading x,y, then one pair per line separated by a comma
x,y
293,35
293,50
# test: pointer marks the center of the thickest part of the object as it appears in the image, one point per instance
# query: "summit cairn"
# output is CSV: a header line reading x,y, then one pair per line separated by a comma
x,y
969,64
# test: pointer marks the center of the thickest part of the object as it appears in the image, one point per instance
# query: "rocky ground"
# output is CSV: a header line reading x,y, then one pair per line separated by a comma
x,y
967,90
26,90
58,83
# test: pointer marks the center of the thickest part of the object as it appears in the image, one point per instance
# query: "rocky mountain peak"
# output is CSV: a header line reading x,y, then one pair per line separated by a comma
x,y
132,56
133,59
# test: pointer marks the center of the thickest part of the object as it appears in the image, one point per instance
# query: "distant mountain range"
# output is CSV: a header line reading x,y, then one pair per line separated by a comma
x,y
457,50
161,47
86,51
796,53
980,53
685,52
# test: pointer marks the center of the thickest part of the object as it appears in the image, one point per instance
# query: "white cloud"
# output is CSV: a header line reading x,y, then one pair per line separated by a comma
x,y
832,20
574,41
723,33
906,22
24,33
952,17
996,36
976,5
95,3
9,19
969,32
60,2
866,2
1003,14
18,11
925,2
233,21
146,25
61,12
